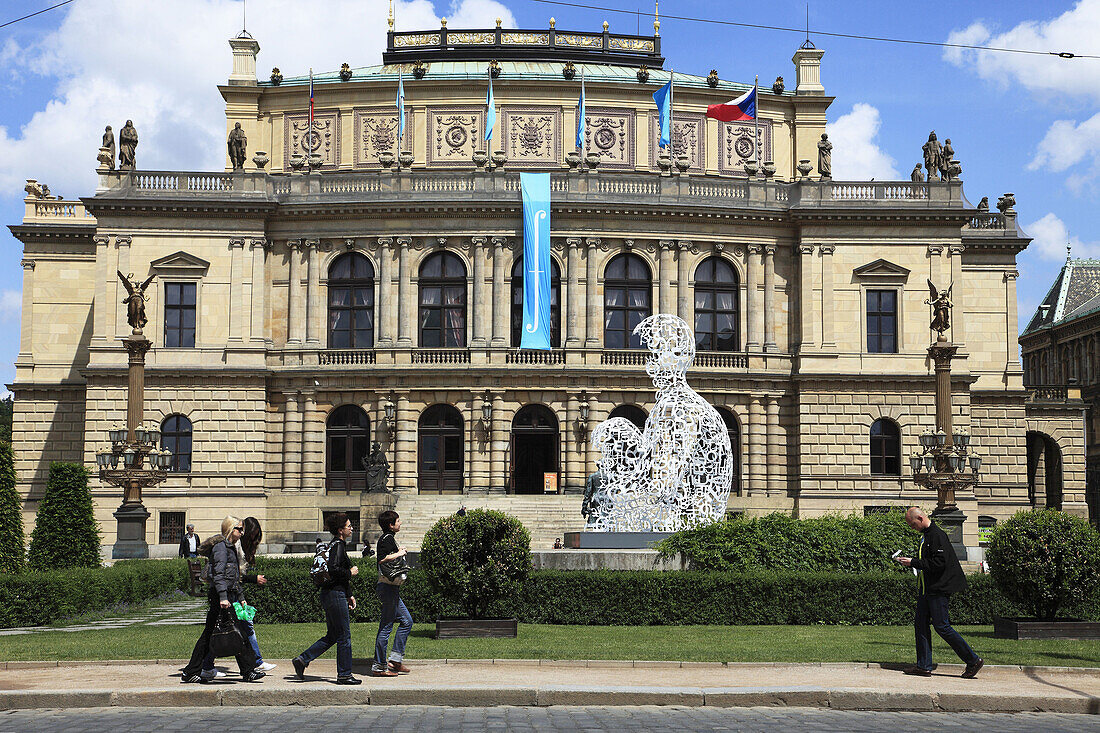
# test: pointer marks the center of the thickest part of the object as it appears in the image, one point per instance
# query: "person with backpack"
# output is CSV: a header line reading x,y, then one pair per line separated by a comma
x,y
393,569
225,589
332,571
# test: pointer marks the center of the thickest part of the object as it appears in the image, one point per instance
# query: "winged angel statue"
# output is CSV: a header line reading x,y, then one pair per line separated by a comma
x,y
940,301
135,301
676,472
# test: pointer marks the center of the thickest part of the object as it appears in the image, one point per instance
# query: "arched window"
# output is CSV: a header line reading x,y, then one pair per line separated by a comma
x,y
347,435
555,302
175,435
442,302
534,448
885,448
716,295
633,413
734,431
627,292
351,302
440,450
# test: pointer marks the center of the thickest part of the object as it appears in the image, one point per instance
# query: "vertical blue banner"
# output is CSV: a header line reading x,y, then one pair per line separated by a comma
x,y
663,99
536,260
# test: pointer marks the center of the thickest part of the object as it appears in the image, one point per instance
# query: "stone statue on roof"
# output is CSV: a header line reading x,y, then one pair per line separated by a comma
x,y
947,157
933,154
825,156
916,176
237,144
127,146
109,145
983,205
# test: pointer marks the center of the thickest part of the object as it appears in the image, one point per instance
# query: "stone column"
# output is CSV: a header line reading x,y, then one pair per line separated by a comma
x,y
498,445
404,446
776,455
292,434
753,316
384,306
312,451
1012,362
480,448
758,447
406,317
501,301
314,315
102,306
806,305
481,313
572,293
769,298
594,333
294,305
684,306
26,316
958,317
664,290
571,474
119,325
828,309
257,307
237,301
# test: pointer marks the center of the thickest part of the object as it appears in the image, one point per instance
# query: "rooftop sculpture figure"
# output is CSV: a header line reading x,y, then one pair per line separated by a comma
x,y
127,146
135,301
676,472
941,308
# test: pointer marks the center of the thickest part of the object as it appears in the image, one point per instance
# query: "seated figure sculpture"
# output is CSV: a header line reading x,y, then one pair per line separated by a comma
x,y
675,473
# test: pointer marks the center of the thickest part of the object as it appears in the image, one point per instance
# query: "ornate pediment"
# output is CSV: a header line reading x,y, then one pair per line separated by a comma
x,y
881,270
180,263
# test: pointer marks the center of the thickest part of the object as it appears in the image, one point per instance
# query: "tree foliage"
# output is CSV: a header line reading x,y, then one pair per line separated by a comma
x,y
65,534
12,542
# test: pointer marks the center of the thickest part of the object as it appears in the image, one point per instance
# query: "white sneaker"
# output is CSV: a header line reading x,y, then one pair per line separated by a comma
x,y
266,667
211,674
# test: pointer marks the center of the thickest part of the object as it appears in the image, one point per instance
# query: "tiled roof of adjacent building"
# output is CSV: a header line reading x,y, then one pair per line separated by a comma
x,y
1075,293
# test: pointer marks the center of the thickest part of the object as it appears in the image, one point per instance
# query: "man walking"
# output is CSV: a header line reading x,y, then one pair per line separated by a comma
x,y
938,576
189,543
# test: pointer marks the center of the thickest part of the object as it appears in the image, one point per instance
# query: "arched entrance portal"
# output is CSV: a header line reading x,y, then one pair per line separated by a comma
x,y
440,455
1044,471
534,448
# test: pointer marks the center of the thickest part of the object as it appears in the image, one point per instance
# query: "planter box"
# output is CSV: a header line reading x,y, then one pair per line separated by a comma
x,y
1030,628
457,628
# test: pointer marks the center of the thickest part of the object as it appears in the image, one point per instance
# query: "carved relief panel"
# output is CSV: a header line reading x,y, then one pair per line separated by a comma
x,y
532,136
689,133
454,133
375,132
325,140
610,132
736,144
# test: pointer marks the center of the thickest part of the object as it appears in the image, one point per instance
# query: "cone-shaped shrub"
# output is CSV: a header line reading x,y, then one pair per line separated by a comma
x,y
65,531
12,542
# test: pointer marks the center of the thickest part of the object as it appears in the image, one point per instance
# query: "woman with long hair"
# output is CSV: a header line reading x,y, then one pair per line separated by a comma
x,y
225,589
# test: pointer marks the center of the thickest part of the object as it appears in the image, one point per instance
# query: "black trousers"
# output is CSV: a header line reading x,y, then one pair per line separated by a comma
x,y
246,660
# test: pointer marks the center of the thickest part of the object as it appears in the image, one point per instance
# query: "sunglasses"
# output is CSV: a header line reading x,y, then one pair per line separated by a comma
x,y
239,529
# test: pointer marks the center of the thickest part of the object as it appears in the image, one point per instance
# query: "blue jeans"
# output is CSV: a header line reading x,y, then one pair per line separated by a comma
x,y
932,613
248,631
393,609
338,619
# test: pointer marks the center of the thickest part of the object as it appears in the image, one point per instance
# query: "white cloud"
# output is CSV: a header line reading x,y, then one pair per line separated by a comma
x,y
11,305
856,156
162,67
1068,143
1050,236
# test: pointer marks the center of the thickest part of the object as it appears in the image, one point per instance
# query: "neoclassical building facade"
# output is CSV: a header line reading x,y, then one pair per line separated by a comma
x,y
341,290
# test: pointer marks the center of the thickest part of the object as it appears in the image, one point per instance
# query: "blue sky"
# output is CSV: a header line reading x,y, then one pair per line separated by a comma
x,y
1026,124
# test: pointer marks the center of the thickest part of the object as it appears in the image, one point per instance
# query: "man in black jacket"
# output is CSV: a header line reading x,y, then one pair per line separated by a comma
x,y
189,543
938,576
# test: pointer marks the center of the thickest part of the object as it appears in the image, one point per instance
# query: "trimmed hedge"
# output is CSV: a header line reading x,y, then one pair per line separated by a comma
x,y
65,533
849,544
13,548
641,598
36,598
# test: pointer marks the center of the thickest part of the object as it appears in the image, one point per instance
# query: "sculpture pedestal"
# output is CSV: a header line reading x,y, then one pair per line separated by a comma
x,y
130,541
951,522
371,504
613,540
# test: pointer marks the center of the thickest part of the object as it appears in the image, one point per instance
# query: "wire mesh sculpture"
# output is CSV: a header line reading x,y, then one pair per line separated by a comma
x,y
676,473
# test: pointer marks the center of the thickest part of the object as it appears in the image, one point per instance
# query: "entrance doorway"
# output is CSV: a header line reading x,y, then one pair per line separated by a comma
x,y
1044,471
440,451
534,449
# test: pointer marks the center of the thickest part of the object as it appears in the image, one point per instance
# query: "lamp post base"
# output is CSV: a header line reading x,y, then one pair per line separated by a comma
x,y
130,540
951,521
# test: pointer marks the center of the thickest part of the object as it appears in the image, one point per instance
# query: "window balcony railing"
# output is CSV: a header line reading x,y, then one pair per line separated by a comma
x,y
349,357
624,357
1053,393
530,356
441,356
721,360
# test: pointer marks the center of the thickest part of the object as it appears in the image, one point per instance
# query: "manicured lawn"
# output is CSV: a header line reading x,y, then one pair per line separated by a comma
x,y
688,643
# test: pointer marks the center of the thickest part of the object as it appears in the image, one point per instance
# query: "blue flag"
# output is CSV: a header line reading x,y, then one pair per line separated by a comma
x,y
663,99
491,111
400,108
580,115
536,260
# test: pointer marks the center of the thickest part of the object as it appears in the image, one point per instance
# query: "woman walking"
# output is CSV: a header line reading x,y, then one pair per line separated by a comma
x,y
338,602
389,593
225,589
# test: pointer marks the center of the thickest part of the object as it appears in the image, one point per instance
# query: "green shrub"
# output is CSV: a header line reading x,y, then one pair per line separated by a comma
x,y
13,547
851,544
476,559
1045,560
36,598
65,531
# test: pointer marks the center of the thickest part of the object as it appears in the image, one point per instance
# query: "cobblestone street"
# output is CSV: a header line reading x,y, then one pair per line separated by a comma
x,y
419,719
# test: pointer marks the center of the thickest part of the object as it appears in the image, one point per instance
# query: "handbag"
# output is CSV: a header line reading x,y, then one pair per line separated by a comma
x,y
226,640
395,571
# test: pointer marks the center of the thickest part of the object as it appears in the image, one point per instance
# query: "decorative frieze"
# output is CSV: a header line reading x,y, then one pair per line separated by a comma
x,y
324,140
375,132
532,136
739,141
454,133
610,134
688,138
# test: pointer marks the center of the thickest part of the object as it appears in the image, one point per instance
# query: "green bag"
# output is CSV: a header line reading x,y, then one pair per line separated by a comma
x,y
244,611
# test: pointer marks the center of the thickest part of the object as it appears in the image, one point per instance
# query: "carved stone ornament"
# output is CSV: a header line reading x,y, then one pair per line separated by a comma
x,y
643,74
261,159
778,86
610,135
676,472
454,134
376,132
569,70
276,76
736,145
532,136
712,78
419,69
322,140
688,138
345,72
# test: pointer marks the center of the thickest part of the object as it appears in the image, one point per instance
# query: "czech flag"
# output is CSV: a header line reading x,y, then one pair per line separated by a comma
x,y
742,108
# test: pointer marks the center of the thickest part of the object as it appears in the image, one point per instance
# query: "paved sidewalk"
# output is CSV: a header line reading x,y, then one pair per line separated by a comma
x,y
541,683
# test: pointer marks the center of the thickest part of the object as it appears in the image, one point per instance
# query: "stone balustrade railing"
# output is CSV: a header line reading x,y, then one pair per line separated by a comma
x,y
56,211
1053,393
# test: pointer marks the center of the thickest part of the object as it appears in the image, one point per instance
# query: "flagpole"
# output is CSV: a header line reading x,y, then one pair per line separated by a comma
x,y
671,112
755,122
580,122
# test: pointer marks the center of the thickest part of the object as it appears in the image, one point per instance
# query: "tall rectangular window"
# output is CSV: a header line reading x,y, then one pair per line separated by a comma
x,y
882,321
179,315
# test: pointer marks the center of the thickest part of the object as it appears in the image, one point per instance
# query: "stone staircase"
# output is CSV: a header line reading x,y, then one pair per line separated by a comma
x,y
306,542
546,517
